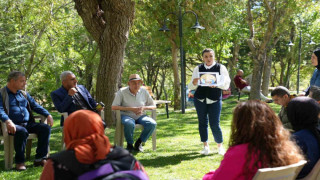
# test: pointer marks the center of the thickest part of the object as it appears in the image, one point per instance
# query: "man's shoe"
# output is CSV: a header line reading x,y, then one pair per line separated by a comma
x,y
269,101
39,163
130,147
138,145
20,167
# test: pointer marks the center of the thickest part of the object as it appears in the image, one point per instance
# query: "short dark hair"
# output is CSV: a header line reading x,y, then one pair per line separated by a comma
x,y
280,91
208,50
315,92
14,75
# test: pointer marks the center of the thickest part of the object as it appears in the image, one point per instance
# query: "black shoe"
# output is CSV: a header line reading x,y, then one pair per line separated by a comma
x,y
138,145
269,101
130,147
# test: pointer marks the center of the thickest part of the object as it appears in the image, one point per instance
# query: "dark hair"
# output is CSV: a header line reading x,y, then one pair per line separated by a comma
x,y
256,124
315,92
280,91
303,114
208,50
14,75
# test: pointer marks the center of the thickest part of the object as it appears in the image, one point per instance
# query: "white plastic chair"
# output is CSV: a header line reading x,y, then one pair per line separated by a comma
x,y
119,132
289,172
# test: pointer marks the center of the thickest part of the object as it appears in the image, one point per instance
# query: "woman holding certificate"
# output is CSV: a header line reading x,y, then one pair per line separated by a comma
x,y
208,80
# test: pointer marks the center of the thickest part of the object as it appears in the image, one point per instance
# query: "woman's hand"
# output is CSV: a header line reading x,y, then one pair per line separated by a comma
x,y
195,81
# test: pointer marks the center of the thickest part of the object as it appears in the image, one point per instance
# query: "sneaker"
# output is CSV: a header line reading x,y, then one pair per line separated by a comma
x,y
205,150
221,150
130,147
138,145
39,163
20,167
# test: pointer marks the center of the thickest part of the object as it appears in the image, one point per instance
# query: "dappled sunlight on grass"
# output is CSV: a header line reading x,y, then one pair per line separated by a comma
x,y
178,146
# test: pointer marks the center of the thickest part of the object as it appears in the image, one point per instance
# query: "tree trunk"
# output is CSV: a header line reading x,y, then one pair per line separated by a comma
x,y
266,75
232,64
109,23
256,77
175,67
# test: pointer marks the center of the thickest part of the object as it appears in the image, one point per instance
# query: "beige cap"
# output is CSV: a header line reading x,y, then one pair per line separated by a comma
x,y
135,77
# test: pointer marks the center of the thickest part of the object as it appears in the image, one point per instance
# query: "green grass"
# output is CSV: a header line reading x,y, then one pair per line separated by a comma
x,y
178,146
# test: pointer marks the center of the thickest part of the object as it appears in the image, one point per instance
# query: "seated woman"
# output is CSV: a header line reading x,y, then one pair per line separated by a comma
x,y
303,114
258,140
88,149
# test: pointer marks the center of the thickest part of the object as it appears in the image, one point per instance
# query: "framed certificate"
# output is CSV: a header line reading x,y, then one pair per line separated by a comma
x,y
210,79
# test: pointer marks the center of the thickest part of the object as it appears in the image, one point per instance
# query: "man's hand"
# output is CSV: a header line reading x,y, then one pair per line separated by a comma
x,y
138,110
50,120
11,127
72,91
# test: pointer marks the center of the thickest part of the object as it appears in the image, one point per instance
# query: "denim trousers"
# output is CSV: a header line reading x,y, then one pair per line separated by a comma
x,y
147,122
43,132
209,113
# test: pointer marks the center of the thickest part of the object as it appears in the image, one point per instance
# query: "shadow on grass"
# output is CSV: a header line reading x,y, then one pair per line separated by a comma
x,y
162,161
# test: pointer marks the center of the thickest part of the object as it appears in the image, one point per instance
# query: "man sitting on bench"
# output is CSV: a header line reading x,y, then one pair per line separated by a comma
x,y
244,86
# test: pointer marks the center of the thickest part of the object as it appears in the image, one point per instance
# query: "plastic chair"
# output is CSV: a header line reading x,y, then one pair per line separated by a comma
x,y
289,172
119,132
315,172
9,144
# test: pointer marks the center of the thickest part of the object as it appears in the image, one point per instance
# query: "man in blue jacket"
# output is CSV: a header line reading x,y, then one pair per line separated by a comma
x,y
15,112
71,97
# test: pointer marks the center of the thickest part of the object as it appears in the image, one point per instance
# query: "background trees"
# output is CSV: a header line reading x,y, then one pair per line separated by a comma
x,y
102,45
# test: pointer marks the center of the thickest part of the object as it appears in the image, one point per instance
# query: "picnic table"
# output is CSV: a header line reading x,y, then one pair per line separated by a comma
x,y
164,102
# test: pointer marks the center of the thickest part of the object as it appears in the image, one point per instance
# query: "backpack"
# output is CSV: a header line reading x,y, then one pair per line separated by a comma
x,y
119,164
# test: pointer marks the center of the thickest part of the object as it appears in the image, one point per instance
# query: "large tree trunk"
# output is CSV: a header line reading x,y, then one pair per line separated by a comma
x,y
109,23
232,64
266,75
256,76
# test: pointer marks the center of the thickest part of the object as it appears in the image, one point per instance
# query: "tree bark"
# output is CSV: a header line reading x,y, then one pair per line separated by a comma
x,y
109,23
266,75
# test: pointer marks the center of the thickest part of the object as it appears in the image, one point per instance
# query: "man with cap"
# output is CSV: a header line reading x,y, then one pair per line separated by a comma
x,y
315,79
132,101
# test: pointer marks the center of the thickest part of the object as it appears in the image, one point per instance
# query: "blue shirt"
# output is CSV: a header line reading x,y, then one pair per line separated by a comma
x,y
315,79
18,111
311,149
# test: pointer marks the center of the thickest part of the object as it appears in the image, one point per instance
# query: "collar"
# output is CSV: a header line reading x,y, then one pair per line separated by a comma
x,y
132,93
209,67
9,91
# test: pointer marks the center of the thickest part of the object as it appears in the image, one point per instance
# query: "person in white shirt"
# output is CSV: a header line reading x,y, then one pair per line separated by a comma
x,y
208,99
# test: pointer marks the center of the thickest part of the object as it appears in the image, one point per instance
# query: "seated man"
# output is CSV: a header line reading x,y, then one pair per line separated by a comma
x,y
15,111
281,96
71,97
244,86
132,101
315,93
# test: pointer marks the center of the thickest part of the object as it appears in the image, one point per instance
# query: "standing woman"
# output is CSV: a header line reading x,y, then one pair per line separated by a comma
x,y
208,100
315,79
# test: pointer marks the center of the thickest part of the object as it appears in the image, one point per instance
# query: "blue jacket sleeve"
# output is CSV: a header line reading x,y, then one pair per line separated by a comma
x,y
61,102
36,107
3,115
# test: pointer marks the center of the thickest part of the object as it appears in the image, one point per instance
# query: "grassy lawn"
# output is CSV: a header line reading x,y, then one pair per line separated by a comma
x,y
178,146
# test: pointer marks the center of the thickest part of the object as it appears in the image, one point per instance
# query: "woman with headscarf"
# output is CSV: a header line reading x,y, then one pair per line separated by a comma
x,y
257,140
86,144
303,114
315,79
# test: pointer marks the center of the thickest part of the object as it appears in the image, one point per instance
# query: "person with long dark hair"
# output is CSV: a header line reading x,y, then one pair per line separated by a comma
x,y
258,140
303,114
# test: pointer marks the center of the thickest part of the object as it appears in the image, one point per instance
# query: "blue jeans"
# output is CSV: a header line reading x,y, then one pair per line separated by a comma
x,y
43,132
213,111
147,122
